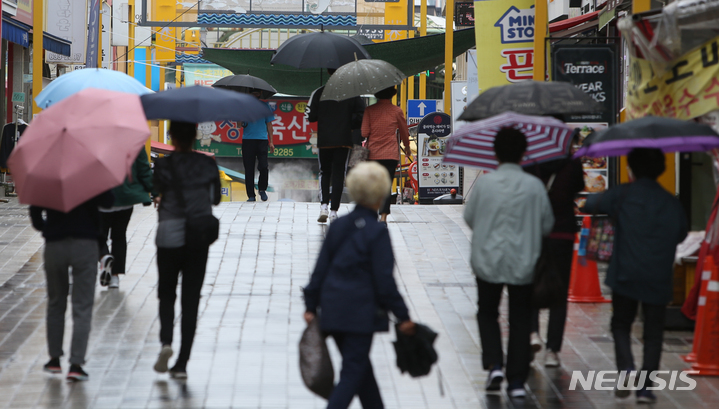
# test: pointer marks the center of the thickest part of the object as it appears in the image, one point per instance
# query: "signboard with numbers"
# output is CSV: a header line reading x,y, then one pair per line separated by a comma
x,y
292,133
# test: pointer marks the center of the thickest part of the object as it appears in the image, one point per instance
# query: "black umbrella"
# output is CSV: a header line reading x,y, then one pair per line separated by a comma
x,y
247,84
203,104
531,98
319,50
669,135
415,353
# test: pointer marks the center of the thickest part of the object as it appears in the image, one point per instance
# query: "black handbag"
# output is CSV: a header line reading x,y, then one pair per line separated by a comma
x,y
200,231
315,363
548,287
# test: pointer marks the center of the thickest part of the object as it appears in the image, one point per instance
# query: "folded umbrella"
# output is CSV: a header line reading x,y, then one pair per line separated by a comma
x,y
531,98
473,144
319,50
78,148
361,77
247,84
415,353
76,81
204,104
669,135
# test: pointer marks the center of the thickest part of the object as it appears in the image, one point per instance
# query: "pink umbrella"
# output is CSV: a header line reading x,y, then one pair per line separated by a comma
x,y
78,148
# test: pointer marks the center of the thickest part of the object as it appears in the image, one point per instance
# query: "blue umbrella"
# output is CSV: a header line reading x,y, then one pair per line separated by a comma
x,y
76,81
204,104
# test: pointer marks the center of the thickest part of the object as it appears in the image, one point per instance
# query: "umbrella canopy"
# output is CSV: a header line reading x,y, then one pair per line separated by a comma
x,y
415,353
319,50
531,98
70,83
247,84
78,148
669,135
361,77
204,104
473,145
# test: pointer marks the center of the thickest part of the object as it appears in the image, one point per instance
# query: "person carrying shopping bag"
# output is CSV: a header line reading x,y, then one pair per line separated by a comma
x,y
352,287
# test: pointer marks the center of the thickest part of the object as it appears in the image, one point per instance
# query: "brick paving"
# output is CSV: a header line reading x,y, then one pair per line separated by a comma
x,y
245,353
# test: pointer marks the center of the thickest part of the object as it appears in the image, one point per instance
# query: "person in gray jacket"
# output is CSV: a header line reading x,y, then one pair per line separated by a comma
x,y
509,213
649,224
196,177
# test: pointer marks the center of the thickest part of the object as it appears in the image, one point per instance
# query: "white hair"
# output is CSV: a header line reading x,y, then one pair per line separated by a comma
x,y
368,183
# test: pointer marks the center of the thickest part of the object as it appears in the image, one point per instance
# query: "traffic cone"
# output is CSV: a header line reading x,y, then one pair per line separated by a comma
x,y
584,280
698,323
708,348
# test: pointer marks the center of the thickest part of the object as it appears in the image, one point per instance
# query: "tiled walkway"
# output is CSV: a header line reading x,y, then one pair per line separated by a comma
x,y
245,353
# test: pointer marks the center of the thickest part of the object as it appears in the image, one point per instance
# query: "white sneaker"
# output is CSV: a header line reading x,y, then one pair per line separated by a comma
x,y
551,359
519,393
333,216
106,269
536,344
165,354
323,215
114,282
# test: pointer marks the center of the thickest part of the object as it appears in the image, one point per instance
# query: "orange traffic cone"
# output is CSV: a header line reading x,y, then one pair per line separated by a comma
x,y
584,281
708,349
706,276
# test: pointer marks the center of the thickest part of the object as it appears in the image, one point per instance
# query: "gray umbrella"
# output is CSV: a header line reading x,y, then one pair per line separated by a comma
x,y
247,84
361,77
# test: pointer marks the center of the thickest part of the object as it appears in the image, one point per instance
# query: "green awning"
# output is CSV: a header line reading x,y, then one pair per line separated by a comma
x,y
411,56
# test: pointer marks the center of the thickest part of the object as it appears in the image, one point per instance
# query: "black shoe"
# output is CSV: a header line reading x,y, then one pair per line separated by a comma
x,y
251,199
626,385
53,366
178,372
77,374
263,196
494,380
645,396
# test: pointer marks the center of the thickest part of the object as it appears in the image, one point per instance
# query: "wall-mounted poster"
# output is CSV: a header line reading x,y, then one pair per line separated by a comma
x,y
596,170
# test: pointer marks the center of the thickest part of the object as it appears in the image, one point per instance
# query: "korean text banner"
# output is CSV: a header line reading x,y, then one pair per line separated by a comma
x,y
688,89
505,35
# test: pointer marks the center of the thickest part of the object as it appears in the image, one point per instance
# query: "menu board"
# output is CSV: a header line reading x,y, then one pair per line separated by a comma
x,y
596,170
435,178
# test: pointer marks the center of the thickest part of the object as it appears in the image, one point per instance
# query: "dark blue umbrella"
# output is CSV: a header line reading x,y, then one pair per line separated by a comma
x,y
203,104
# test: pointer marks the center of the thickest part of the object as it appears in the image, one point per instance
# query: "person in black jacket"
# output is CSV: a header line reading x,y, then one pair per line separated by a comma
x,y
70,241
352,287
335,122
196,177
565,179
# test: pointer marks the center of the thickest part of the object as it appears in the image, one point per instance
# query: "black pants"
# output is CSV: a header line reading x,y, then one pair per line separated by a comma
x,y
562,251
192,262
391,166
625,310
255,149
518,351
356,377
115,223
333,166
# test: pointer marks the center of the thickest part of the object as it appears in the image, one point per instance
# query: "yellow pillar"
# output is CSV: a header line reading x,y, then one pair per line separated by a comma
x,y
131,40
403,97
410,80
640,6
161,124
448,57
423,32
37,57
148,67
99,37
178,76
540,34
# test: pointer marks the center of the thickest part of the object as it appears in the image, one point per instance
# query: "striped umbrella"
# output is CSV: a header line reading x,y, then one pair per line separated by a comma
x,y
473,145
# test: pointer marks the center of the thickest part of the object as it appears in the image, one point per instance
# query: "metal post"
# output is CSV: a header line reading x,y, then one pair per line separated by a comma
x,y
37,57
448,55
422,32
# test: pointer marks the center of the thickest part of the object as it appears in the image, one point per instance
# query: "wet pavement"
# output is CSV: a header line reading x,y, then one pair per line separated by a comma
x,y
245,353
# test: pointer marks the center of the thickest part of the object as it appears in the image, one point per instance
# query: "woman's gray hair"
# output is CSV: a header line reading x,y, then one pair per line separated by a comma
x,y
368,183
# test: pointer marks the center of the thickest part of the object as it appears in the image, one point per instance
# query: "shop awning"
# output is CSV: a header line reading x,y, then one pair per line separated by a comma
x,y
573,22
411,56
56,44
19,33
16,32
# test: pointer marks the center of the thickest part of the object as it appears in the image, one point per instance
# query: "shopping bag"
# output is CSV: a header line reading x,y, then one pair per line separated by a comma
x,y
315,363
358,154
548,286
600,243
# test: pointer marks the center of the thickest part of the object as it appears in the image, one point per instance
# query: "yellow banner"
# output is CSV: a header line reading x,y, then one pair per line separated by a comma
x,y
165,37
505,35
688,89
395,14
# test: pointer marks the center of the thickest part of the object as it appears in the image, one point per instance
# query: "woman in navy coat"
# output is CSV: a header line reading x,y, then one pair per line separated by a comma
x,y
352,287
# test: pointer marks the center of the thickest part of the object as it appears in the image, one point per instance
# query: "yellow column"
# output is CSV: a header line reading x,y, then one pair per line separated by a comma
x,y
410,79
99,37
148,67
37,57
131,40
640,6
540,34
403,97
161,124
448,57
178,76
423,32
